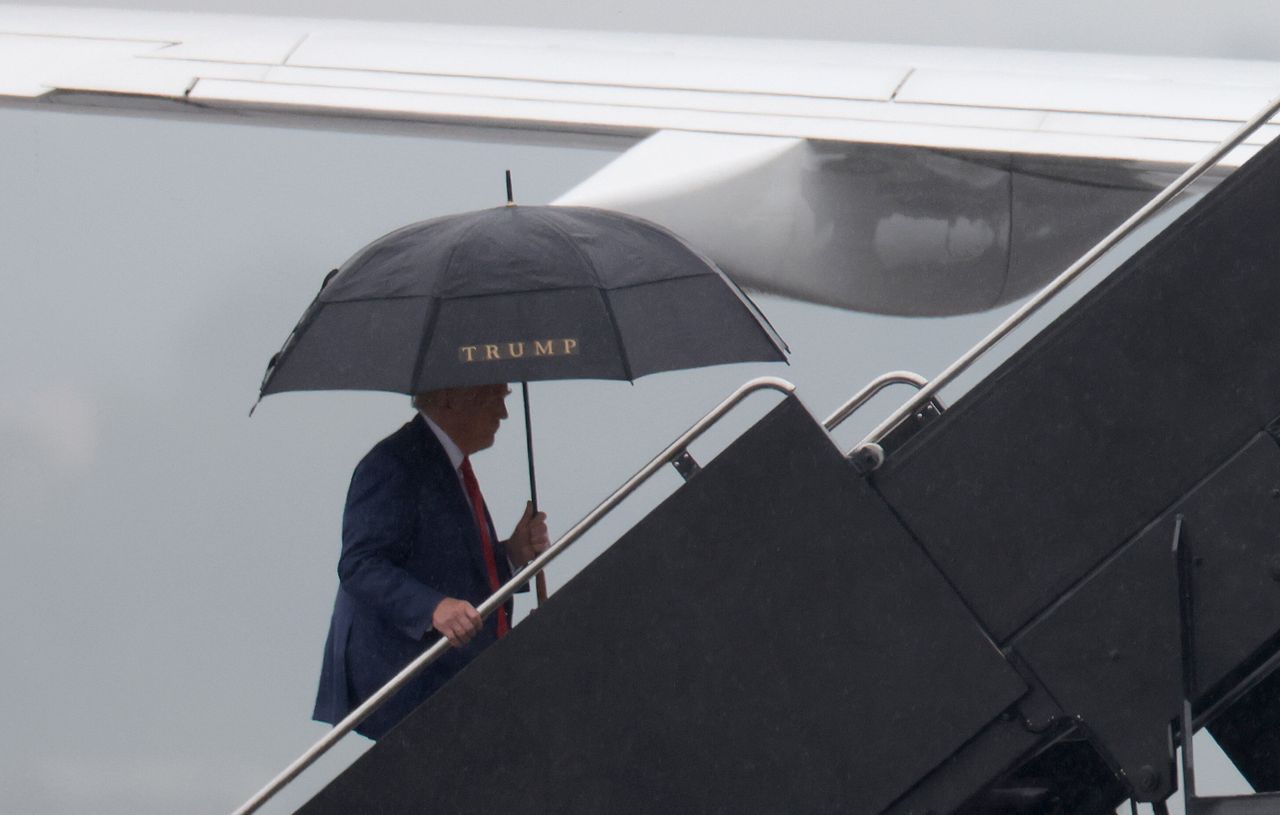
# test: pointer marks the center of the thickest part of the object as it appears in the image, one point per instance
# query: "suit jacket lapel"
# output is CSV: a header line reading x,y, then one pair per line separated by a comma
x,y
439,468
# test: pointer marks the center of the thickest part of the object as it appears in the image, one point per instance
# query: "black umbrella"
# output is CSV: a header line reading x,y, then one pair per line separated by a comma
x,y
518,294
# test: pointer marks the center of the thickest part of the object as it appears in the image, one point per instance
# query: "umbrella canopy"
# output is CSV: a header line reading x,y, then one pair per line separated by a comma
x,y
519,294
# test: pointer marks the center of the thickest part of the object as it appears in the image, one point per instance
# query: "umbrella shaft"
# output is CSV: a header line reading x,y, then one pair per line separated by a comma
x,y
528,438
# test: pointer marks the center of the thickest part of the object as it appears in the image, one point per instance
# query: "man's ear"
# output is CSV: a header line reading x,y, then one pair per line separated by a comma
x,y
465,398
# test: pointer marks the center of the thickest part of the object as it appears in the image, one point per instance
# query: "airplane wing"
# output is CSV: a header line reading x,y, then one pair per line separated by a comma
x,y
896,179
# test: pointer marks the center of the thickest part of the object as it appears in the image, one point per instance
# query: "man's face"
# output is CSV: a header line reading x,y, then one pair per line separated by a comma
x,y
482,410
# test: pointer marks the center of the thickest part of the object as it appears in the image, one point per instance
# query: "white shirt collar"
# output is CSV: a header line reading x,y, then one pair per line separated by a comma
x,y
456,456
450,448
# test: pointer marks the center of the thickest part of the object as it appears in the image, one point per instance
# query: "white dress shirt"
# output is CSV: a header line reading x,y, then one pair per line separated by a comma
x,y
456,457
454,452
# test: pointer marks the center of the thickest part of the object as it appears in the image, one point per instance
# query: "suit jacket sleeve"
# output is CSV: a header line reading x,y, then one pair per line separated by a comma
x,y
378,529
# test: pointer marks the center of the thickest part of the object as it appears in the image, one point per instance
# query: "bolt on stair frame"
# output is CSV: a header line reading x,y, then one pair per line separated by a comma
x,y
499,597
1075,269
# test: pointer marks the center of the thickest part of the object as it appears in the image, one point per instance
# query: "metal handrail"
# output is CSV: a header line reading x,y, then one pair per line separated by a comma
x,y
1074,270
503,594
873,387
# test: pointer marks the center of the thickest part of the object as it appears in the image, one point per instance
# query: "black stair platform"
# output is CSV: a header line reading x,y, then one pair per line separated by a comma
x,y
767,640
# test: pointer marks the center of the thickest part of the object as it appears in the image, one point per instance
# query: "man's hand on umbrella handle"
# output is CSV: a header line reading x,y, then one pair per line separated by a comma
x,y
529,538
457,620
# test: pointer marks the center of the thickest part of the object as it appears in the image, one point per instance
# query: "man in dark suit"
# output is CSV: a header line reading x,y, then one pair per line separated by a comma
x,y
419,553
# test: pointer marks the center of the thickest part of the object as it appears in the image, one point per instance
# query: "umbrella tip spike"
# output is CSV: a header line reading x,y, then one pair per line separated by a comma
x,y
511,200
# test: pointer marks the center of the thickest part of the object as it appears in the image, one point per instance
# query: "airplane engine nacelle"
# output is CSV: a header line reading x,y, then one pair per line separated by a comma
x,y
893,230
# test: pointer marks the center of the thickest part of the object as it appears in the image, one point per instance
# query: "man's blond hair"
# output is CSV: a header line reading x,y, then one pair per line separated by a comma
x,y
428,401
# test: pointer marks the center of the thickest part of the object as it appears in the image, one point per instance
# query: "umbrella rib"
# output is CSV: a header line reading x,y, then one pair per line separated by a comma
x,y
761,319
453,252
765,325
603,292
617,335
432,311
555,227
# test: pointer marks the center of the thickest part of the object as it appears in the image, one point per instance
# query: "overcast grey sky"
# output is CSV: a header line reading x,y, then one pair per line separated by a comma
x,y
170,561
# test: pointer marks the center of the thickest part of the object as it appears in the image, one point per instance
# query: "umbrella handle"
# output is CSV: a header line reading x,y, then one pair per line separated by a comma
x,y
541,581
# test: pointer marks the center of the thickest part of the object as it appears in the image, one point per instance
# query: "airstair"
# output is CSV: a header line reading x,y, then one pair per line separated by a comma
x,y
979,615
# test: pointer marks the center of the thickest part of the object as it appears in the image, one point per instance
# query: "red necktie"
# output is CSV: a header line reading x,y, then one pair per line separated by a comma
x,y
486,542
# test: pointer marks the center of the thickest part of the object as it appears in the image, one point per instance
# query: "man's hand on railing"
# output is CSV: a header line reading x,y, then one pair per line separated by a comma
x,y
457,620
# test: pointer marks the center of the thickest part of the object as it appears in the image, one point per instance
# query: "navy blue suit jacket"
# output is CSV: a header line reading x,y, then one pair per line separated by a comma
x,y
409,539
